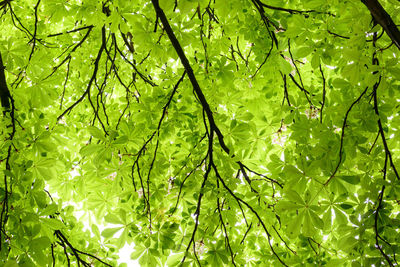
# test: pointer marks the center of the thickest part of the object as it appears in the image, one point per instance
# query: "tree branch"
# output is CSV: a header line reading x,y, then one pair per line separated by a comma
x,y
383,18
96,67
4,92
342,137
190,73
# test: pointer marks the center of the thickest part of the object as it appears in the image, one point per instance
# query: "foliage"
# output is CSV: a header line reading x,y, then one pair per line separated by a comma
x,y
205,132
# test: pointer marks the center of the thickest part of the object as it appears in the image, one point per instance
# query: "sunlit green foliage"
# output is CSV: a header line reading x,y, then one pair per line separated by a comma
x,y
206,132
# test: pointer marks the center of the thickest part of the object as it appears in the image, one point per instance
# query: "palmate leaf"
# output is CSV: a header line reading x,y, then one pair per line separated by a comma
x,y
137,252
148,259
220,133
111,218
355,179
49,210
175,259
96,132
110,232
91,149
45,168
294,226
11,263
53,224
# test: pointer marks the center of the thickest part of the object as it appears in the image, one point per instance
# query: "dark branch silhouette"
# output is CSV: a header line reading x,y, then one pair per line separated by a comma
x,y
4,92
383,18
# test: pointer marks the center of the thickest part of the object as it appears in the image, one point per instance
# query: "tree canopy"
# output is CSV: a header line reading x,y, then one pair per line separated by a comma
x,y
204,132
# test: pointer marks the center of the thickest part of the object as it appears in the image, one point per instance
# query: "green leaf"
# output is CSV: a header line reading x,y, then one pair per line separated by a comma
x,y
121,140
285,66
95,230
178,134
316,220
138,251
295,197
287,205
53,224
110,232
45,168
147,259
122,239
49,210
11,263
90,149
96,132
41,243
340,217
351,179
294,226
346,206
175,259
111,218
308,226
340,83
304,51
40,198
315,61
